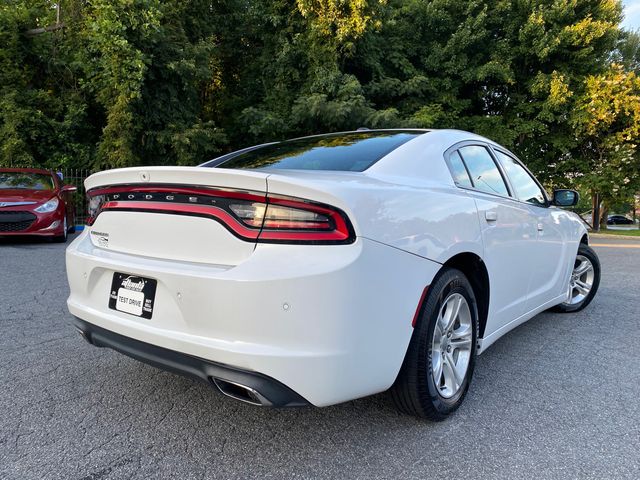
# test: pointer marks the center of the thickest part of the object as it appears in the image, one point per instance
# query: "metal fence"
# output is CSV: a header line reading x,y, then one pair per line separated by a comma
x,y
75,177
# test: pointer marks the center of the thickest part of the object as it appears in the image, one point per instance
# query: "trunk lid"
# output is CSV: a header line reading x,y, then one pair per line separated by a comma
x,y
161,227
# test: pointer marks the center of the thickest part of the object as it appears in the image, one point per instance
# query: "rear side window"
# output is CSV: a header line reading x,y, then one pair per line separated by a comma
x,y
483,170
458,171
354,152
526,188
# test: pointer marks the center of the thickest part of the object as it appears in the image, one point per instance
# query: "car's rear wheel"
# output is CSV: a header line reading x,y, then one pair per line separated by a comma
x,y
439,363
583,282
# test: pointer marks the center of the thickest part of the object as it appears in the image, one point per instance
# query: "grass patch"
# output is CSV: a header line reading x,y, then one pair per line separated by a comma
x,y
632,233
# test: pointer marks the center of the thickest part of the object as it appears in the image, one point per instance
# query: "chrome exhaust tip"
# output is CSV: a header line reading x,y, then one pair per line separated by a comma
x,y
84,335
240,392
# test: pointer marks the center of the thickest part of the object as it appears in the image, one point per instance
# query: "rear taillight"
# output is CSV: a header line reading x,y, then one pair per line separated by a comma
x,y
279,218
94,204
248,215
293,220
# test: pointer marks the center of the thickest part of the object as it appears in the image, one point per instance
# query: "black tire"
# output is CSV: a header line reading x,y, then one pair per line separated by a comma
x,y
585,251
62,238
414,391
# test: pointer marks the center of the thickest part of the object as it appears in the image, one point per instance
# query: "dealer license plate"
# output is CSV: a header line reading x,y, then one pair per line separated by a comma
x,y
132,294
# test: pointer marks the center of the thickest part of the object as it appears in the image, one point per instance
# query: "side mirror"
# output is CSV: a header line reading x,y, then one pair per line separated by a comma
x,y
565,198
69,189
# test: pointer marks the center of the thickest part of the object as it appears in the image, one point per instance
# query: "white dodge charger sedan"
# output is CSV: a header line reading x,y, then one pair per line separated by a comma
x,y
322,269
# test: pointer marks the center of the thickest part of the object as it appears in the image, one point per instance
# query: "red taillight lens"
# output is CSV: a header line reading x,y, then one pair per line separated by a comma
x,y
249,216
276,217
286,218
297,221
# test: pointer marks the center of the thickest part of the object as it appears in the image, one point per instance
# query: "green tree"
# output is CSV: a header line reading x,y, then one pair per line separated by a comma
x,y
149,64
131,82
43,115
507,69
607,126
627,51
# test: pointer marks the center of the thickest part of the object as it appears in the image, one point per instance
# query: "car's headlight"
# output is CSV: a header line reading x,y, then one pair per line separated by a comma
x,y
49,206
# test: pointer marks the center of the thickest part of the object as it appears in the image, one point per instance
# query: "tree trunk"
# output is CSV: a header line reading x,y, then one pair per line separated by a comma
x,y
604,215
38,31
595,212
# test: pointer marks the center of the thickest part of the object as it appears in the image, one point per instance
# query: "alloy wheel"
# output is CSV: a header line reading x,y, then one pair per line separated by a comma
x,y
451,347
581,280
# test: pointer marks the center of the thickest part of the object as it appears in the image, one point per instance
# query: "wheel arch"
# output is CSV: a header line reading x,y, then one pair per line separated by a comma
x,y
476,272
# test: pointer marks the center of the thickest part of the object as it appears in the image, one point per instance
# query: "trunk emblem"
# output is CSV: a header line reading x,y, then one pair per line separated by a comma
x,y
144,176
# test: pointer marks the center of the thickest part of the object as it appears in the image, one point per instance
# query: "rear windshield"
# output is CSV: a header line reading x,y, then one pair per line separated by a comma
x,y
351,152
25,181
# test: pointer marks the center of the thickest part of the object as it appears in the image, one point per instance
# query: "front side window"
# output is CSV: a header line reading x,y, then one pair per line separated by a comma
x,y
526,188
483,170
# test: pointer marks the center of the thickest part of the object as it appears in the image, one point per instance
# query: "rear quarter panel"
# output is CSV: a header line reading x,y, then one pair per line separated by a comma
x,y
435,223
407,200
424,218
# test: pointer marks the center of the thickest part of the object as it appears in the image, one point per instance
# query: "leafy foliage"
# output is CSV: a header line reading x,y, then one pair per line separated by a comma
x,y
137,82
607,124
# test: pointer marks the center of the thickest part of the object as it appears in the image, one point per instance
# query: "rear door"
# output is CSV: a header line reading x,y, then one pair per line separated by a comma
x,y
508,233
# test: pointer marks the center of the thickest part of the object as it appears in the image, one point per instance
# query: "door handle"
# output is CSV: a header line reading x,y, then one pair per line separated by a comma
x,y
491,216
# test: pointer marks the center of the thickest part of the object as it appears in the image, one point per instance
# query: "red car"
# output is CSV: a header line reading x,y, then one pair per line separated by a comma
x,y
35,202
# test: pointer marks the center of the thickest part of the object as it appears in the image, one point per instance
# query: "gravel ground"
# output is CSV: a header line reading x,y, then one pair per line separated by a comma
x,y
556,398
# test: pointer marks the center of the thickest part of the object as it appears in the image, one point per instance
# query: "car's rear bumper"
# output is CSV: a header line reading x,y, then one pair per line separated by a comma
x,y
332,323
271,392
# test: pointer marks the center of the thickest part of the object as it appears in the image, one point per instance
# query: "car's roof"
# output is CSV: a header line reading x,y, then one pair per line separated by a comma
x,y
448,132
293,148
364,130
416,158
442,136
423,156
26,170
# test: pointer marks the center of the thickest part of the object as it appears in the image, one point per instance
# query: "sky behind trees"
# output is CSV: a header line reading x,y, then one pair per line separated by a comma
x,y
632,14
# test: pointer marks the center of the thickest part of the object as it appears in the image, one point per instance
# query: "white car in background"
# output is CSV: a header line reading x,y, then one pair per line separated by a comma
x,y
327,268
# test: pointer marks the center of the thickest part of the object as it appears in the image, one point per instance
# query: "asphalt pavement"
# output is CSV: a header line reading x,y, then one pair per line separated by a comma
x,y
559,397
